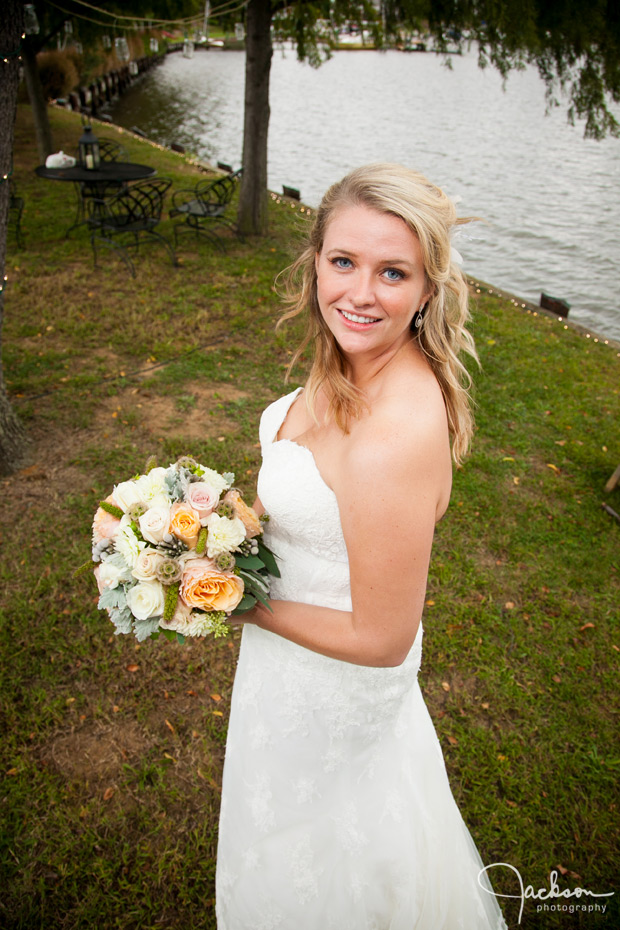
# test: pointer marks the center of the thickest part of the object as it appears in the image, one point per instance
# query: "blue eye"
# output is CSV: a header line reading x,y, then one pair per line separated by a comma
x,y
393,274
344,263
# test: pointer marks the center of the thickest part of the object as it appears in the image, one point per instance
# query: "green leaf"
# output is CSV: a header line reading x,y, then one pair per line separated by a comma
x,y
269,559
169,634
247,602
180,638
249,562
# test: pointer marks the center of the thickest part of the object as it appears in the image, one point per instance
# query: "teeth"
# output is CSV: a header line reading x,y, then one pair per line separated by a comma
x,y
359,319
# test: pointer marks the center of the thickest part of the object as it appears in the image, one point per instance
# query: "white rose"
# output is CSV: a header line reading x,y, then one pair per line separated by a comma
x,y
109,574
146,599
127,493
153,487
127,543
154,524
145,568
224,534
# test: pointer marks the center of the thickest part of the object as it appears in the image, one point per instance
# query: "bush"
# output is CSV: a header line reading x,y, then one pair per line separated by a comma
x,y
58,73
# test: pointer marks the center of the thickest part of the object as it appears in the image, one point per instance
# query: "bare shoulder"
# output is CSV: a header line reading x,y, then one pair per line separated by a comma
x,y
405,439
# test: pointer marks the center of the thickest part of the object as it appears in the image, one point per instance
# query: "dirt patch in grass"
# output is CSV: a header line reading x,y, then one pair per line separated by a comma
x,y
194,412
96,751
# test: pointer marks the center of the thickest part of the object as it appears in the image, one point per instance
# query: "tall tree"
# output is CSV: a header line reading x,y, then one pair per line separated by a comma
x,y
12,436
252,216
575,47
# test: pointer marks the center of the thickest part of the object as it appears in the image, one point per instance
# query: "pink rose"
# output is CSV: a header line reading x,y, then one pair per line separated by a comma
x,y
202,498
104,524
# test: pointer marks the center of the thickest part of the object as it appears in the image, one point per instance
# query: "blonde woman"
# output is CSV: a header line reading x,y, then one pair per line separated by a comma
x,y
336,808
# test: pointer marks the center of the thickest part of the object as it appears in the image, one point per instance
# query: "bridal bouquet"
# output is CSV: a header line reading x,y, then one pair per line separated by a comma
x,y
177,550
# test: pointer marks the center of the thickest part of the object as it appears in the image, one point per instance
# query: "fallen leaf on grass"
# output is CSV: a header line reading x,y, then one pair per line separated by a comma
x,y
511,803
453,741
515,479
216,697
12,772
557,679
586,626
430,603
168,756
445,686
133,668
217,713
169,725
485,704
107,794
509,605
553,467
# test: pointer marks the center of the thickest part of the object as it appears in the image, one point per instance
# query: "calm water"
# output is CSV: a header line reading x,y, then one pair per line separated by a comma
x,y
550,199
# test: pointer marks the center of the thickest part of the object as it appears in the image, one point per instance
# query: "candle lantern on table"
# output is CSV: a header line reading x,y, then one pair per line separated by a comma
x,y
89,149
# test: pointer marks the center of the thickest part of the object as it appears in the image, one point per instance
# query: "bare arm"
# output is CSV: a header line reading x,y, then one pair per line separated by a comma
x,y
389,495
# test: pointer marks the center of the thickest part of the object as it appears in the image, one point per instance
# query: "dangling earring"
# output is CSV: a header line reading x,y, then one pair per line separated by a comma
x,y
418,319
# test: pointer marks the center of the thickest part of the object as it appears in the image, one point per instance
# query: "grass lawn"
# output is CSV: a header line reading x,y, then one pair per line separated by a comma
x,y
111,752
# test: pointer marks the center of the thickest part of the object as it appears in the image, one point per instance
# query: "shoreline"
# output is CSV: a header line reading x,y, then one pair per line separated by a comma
x,y
474,282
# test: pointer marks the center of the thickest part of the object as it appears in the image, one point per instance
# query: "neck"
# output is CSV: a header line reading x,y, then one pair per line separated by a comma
x,y
366,372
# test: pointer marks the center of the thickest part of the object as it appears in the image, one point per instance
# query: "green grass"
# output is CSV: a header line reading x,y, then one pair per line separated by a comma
x,y
112,751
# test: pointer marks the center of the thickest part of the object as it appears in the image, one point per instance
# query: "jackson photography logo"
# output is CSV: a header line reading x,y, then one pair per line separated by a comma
x,y
552,893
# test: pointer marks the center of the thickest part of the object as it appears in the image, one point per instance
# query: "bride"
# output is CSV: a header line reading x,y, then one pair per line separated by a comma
x,y
336,807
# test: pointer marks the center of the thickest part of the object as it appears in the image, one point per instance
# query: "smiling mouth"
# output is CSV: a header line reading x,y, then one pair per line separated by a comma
x,y
353,318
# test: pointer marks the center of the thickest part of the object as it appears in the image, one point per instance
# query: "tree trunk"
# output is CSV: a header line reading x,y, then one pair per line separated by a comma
x,y
252,217
37,99
12,436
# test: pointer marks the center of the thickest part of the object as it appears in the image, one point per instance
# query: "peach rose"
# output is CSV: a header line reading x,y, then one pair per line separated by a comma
x,y
104,524
185,524
204,587
246,514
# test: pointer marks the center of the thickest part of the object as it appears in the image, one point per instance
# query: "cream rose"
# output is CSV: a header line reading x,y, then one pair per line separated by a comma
x,y
127,493
224,534
108,575
154,524
202,498
145,568
207,589
247,515
146,599
185,524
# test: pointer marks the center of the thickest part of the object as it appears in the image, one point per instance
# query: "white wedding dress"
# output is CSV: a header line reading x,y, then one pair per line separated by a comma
x,y
336,808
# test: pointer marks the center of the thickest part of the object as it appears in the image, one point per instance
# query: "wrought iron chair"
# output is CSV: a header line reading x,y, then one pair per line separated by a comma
x,y
204,207
133,213
109,150
16,208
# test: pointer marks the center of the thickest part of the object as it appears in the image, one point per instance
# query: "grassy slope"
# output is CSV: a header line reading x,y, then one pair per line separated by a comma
x,y
112,753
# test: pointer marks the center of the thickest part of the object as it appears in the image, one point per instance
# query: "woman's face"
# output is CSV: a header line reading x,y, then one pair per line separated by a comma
x,y
370,280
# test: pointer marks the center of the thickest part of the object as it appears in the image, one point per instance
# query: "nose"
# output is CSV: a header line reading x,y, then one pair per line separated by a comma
x,y
362,291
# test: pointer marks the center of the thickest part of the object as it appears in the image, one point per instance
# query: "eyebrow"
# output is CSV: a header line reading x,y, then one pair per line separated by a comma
x,y
347,253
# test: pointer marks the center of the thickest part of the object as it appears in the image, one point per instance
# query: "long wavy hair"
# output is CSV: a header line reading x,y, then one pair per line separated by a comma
x,y
442,332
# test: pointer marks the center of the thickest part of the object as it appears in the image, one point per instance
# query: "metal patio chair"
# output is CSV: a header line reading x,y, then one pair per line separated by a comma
x,y
203,208
109,150
120,222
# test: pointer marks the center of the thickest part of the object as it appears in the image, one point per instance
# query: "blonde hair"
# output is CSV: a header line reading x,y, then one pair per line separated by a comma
x,y
442,335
